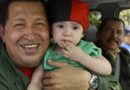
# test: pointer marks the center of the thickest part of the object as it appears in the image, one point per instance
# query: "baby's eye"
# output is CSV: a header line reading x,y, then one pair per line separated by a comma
x,y
60,26
75,27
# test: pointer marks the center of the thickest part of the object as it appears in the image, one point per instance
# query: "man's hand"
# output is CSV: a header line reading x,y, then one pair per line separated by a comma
x,y
66,78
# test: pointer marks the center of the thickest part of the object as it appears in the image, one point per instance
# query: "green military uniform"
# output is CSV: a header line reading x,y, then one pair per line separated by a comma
x,y
107,82
11,78
1,42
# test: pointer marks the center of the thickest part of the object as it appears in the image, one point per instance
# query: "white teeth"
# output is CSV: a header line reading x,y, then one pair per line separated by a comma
x,y
30,46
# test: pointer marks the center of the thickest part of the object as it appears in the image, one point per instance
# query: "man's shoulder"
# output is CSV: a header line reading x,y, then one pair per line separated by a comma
x,y
4,74
124,51
125,59
3,66
11,78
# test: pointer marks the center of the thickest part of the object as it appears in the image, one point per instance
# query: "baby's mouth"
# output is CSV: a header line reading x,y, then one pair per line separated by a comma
x,y
66,41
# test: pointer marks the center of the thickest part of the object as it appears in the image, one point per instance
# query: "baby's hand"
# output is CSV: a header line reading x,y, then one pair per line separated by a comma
x,y
72,52
38,74
37,79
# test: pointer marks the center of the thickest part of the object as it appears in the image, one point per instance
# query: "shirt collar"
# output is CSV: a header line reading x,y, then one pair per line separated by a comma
x,y
114,53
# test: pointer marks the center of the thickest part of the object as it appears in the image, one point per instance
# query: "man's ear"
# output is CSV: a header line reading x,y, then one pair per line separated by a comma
x,y
1,31
98,35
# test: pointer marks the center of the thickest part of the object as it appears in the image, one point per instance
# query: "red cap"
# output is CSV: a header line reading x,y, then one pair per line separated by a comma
x,y
69,10
79,13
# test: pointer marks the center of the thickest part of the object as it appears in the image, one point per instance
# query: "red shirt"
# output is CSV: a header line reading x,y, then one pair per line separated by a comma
x,y
27,71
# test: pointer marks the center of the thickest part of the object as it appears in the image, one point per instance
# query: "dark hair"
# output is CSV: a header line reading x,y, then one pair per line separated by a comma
x,y
4,4
102,25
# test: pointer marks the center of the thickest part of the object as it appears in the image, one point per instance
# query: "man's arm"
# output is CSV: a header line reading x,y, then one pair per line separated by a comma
x,y
66,78
73,78
108,83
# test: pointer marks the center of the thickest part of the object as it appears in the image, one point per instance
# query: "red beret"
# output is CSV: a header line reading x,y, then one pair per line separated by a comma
x,y
69,10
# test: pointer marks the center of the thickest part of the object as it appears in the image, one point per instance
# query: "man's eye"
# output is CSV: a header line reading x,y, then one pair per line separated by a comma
x,y
18,25
60,26
39,23
119,32
107,30
75,27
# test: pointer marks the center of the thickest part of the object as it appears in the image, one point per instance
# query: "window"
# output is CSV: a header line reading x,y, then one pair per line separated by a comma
x,y
125,16
95,17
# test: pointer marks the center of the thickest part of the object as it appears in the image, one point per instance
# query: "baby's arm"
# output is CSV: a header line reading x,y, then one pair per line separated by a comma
x,y
98,65
36,80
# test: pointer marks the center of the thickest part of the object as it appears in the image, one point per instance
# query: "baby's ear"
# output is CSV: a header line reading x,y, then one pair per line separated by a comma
x,y
82,35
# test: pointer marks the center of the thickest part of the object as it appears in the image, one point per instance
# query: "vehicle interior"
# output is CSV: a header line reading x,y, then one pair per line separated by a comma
x,y
100,9
108,8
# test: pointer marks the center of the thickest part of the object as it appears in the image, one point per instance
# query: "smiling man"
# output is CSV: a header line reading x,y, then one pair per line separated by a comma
x,y
25,33
110,36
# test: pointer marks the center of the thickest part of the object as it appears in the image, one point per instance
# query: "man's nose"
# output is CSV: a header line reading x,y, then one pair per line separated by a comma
x,y
114,34
29,33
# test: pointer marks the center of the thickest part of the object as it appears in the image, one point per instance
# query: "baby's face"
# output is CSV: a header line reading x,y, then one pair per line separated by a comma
x,y
67,31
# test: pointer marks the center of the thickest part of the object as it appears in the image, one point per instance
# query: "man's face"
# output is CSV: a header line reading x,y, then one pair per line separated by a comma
x,y
112,35
26,33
